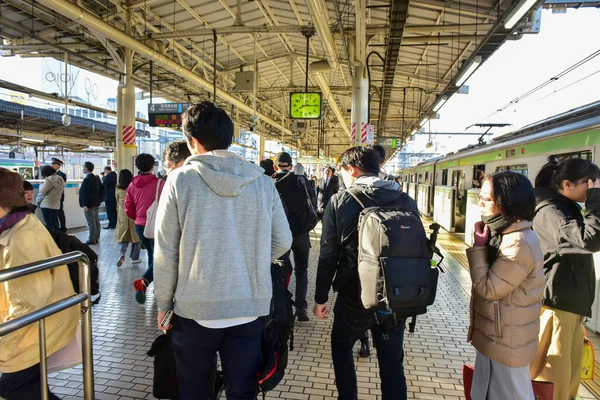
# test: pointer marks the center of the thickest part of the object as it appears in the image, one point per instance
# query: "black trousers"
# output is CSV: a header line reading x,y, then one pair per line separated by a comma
x,y
23,385
301,251
62,221
111,213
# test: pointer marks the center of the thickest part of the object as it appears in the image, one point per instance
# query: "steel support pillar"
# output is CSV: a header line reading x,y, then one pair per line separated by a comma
x,y
261,148
126,147
360,87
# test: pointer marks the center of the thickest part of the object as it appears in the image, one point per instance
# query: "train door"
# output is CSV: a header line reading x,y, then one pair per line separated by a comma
x,y
460,203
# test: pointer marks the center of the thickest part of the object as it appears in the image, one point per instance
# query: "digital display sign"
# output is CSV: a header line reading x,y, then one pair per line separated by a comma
x,y
166,115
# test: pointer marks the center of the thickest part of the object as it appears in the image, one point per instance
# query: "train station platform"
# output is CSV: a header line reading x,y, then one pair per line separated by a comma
x,y
124,330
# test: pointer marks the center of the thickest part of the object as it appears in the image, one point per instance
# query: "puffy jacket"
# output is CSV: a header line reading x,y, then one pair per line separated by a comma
x,y
339,239
140,196
20,350
569,238
507,297
53,188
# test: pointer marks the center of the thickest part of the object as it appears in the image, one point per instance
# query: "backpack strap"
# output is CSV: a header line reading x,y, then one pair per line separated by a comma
x,y
360,197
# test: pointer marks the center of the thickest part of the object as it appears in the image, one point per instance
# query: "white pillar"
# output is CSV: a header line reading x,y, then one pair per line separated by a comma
x,y
360,103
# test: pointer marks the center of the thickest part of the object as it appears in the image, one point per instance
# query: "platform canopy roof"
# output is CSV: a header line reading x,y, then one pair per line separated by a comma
x,y
423,46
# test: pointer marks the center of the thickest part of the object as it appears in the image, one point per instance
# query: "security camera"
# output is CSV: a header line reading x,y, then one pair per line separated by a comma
x,y
66,119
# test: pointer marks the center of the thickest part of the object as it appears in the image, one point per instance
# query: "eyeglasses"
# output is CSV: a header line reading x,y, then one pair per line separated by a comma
x,y
486,199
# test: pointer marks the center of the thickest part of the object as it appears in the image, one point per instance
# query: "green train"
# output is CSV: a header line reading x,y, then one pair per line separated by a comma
x,y
446,187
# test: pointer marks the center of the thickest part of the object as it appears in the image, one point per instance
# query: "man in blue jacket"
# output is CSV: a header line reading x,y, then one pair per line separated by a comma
x,y
90,197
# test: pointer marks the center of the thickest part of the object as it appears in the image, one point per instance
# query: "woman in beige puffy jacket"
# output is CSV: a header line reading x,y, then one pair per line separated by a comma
x,y
508,280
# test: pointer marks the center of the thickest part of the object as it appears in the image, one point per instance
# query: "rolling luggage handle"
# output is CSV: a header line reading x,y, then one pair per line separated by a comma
x,y
54,308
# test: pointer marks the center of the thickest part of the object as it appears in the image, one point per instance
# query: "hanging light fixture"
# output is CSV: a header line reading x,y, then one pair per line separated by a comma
x,y
468,71
517,13
440,102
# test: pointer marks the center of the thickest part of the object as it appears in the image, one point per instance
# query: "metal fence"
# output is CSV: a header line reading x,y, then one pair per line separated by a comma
x,y
51,309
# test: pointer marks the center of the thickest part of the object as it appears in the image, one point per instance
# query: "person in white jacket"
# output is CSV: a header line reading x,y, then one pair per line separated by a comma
x,y
49,196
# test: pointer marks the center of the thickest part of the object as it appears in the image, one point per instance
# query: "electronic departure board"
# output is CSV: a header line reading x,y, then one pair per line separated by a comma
x,y
167,115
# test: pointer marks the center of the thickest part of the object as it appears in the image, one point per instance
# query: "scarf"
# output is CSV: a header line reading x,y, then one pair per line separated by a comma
x,y
497,225
12,219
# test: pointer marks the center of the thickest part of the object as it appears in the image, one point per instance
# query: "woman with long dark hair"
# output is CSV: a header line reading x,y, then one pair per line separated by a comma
x,y
506,270
569,238
125,232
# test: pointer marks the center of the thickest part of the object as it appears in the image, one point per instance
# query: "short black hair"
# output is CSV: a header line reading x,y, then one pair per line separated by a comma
x,y
176,152
47,170
267,165
513,194
366,159
89,166
379,148
209,125
144,162
27,185
107,168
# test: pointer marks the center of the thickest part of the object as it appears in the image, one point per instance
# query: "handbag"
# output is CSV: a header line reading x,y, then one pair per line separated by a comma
x,y
151,214
541,390
67,357
587,358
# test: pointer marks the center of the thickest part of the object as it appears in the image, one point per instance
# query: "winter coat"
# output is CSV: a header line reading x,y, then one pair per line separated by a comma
x,y
507,297
324,193
569,239
140,196
20,349
90,192
110,185
125,232
52,189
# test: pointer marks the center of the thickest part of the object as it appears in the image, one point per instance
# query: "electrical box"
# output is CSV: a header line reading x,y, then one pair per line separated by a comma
x,y
244,81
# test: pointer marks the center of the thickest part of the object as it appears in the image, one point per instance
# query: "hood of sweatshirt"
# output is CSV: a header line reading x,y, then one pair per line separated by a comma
x,y
382,192
56,181
142,180
226,173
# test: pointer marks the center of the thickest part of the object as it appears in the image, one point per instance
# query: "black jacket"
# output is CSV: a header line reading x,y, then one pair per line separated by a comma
x,y
324,194
90,193
64,176
339,238
293,196
110,186
569,239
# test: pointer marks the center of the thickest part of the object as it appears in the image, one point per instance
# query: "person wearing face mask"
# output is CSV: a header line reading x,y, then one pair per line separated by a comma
x,y
569,238
174,155
19,351
28,189
505,263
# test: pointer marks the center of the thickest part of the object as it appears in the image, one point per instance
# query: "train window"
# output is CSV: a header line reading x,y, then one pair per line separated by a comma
x,y
478,175
444,177
510,153
427,178
420,180
586,155
520,168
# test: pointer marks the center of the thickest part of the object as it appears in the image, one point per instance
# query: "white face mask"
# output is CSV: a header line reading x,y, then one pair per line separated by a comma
x,y
347,178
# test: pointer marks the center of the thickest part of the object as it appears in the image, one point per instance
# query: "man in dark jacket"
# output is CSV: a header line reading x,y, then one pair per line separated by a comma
x,y
109,181
384,177
339,259
90,197
62,223
295,191
328,186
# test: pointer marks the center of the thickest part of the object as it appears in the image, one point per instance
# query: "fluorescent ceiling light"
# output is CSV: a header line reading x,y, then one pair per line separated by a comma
x,y
467,72
32,140
413,132
441,101
517,13
423,121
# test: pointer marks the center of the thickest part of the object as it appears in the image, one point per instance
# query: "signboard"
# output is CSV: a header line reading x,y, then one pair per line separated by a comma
x,y
167,115
314,160
388,142
370,134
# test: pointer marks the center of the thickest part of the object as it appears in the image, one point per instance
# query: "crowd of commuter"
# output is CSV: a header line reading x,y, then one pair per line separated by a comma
x,y
215,224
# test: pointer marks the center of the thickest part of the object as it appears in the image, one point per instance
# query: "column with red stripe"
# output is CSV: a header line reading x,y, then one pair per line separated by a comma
x,y
128,136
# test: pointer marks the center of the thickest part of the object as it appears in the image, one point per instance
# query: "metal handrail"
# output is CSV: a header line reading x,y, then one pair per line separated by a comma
x,y
41,314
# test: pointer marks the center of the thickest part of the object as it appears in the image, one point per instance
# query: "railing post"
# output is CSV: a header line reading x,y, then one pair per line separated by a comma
x,y
43,361
86,330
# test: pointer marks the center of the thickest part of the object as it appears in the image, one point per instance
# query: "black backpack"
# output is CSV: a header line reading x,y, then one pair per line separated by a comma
x,y
68,243
394,260
278,329
299,209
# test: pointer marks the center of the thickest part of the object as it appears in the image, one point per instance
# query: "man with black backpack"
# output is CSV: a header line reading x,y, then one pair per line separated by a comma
x,y
298,198
340,258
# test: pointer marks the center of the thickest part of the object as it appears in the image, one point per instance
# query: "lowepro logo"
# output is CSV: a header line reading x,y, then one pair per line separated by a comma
x,y
404,227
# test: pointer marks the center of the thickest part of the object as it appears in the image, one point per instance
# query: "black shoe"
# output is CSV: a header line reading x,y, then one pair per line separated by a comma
x,y
91,242
107,227
364,351
302,316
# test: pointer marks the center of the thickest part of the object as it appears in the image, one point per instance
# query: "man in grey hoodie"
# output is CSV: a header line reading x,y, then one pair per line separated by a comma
x,y
220,224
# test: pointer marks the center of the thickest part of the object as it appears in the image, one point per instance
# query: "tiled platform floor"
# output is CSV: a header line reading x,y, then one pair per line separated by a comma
x,y
124,330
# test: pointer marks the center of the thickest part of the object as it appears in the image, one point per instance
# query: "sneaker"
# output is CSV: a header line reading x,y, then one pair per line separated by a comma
x,y
302,316
364,351
120,261
136,261
140,290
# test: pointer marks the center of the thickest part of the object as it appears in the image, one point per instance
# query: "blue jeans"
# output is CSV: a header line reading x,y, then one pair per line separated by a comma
x,y
50,218
23,385
390,355
195,347
149,245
